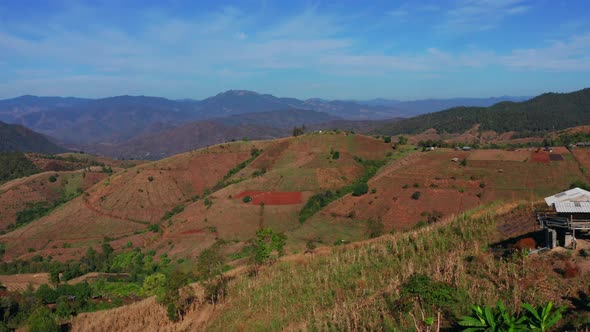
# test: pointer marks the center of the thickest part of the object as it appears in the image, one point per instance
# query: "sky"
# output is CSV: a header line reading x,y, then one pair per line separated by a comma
x,y
327,49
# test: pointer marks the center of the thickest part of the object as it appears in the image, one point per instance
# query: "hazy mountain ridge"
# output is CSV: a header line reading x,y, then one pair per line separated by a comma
x,y
15,138
118,119
544,113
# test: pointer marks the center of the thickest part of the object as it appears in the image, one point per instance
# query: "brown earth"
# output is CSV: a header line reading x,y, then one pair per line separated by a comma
x,y
19,194
271,197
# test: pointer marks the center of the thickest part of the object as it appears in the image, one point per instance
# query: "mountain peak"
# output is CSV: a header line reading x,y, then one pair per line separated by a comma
x,y
238,93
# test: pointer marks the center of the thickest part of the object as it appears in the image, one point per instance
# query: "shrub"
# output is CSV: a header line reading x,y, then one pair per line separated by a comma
x,y
154,228
52,178
463,162
150,178
360,189
482,185
176,210
247,199
375,227
416,195
336,155
387,139
41,320
268,244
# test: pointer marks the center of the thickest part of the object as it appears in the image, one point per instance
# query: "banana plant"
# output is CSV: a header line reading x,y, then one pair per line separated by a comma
x,y
541,318
488,319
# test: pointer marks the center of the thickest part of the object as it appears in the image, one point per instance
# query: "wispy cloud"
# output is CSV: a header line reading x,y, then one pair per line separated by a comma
x,y
477,15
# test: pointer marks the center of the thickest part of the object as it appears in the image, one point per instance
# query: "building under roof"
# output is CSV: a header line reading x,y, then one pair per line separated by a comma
x,y
572,195
570,216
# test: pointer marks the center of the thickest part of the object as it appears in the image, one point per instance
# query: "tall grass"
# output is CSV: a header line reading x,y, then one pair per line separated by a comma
x,y
347,290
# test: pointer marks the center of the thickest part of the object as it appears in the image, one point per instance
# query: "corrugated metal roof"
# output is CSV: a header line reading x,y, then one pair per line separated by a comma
x,y
572,207
576,194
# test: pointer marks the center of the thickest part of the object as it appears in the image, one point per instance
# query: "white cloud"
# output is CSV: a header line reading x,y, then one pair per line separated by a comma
x,y
478,15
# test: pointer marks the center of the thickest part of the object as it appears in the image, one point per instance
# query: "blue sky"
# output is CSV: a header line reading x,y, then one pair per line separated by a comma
x,y
329,49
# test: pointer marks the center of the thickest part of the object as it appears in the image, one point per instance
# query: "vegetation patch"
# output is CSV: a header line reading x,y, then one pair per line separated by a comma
x,y
14,165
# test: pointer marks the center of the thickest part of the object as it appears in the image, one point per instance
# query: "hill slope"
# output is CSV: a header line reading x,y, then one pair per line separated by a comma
x,y
15,138
547,112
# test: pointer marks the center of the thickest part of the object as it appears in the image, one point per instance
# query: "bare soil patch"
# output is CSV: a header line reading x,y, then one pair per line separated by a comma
x,y
272,197
540,157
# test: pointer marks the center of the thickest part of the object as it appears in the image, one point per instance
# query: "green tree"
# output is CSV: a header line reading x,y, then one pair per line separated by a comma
x,y
154,284
210,262
268,245
402,140
41,320
360,189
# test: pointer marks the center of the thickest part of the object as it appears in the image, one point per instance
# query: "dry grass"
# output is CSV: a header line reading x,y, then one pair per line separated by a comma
x,y
345,290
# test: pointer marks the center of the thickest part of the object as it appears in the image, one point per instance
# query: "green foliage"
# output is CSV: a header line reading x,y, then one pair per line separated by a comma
x,y
498,318
402,140
580,184
52,178
34,211
429,292
463,162
567,139
268,245
154,285
416,195
258,172
210,262
169,297
41,320
387,139
336,155
150,178
492,319
360,189
176,210
14,165
247,199
154,228
542,318
318,201
254,153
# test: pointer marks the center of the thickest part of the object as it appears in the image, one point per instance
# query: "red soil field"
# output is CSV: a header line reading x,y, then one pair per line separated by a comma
x,y
272,197
539,157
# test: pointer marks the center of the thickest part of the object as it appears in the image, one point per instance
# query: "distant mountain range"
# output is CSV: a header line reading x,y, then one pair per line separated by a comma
x,y
18,138
416,107
115,120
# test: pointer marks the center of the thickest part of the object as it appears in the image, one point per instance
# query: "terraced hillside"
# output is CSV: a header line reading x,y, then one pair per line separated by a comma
x,y
194,197
181,205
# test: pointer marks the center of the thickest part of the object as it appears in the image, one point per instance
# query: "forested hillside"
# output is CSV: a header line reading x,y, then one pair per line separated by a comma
x,y
18,138
547,112
15,165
